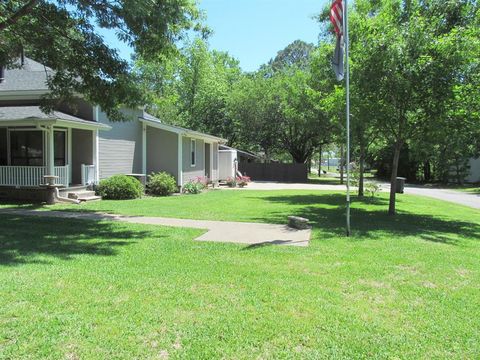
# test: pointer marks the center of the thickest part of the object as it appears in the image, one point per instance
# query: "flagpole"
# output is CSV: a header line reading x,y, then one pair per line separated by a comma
x,y
347,88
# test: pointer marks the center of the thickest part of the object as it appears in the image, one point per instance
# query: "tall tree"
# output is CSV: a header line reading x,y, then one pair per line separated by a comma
x,y
254,104
297,54
192,88
410,58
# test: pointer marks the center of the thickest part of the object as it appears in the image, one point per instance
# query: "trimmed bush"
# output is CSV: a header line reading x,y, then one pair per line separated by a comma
x,y
161,184
120,187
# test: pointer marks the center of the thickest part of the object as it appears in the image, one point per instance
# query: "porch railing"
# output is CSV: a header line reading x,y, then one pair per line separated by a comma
x,y
89,174
31,175
63,174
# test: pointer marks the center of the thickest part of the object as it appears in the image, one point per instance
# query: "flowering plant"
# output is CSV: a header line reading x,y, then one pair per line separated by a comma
x,y
231,182
196,185
243,180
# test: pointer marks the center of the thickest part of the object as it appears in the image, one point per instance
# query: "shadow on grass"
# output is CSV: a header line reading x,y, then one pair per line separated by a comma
x,y
24,238
370,219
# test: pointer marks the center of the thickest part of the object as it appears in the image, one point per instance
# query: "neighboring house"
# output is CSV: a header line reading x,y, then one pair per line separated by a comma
x,y
79,144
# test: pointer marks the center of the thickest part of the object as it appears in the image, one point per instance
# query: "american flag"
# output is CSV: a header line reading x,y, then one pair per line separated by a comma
x,y
336,16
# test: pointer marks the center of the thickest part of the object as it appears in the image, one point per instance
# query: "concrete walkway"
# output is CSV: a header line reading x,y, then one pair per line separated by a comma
x,y
253,234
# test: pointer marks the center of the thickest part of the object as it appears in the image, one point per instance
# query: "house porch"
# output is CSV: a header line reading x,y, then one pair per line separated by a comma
x,y
35,147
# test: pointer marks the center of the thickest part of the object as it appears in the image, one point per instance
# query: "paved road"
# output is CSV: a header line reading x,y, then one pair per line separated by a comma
x,y
458,197
252,234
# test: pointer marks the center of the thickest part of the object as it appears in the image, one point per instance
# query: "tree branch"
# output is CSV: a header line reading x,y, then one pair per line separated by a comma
x,y
24,10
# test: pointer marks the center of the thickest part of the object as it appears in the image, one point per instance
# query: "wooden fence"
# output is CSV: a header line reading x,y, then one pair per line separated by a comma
x,y
274,172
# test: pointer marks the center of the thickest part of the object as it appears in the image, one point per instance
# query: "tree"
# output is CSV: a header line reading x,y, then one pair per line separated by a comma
x,y
192,88
63,36
254,104
411,56
296,54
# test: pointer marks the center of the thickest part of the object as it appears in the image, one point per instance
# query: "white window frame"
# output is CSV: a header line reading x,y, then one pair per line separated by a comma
x,y
9,143
66,143
193,151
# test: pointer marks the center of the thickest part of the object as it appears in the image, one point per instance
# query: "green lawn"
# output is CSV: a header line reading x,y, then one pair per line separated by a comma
x,y
471,190
403,287
468,188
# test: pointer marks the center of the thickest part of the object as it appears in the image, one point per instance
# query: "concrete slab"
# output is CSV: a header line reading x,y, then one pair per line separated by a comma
x,y
253,234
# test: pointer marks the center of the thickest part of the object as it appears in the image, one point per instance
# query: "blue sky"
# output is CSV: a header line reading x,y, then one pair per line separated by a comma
x,y
253,31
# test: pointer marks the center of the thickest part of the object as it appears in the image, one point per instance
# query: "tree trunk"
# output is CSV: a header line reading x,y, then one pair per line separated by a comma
x,y
362,169
427,171
320,161
393,179
341,164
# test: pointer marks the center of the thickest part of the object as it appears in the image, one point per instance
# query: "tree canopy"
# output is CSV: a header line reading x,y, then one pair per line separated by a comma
x,y
63,35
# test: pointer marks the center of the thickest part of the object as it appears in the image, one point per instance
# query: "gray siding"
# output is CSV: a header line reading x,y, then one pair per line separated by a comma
x,y
191,172
120,149
162,151
82,152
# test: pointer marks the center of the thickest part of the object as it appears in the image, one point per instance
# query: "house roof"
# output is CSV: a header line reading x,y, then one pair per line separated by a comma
x,y
154,122
32,76
19,115
243,152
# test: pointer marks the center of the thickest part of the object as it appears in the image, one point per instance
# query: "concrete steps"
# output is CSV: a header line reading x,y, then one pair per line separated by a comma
x,y
83,195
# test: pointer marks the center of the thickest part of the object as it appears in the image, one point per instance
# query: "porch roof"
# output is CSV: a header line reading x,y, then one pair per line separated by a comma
x,y
33,115
154,122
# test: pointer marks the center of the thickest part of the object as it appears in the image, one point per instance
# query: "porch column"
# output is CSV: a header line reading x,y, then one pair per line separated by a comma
x,y
95,155
180,161
50,151
69,155
144,149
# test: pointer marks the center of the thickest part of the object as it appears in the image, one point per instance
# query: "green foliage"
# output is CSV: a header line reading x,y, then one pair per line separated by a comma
x,y
63,35
296,54
162,184
195,186
372,188
191,89
120,187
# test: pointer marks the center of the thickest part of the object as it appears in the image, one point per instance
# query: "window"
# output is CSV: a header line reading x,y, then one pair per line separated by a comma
x,y
193,151
26,148
60,148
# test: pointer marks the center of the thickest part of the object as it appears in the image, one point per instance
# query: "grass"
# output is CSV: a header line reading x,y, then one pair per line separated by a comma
x,y
471,190
468,188
403,287
323,180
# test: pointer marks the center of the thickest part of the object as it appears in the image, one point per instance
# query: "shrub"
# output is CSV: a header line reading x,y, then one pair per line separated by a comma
x,y
120,187
243,180
162,184
372,188
196,185
231,182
